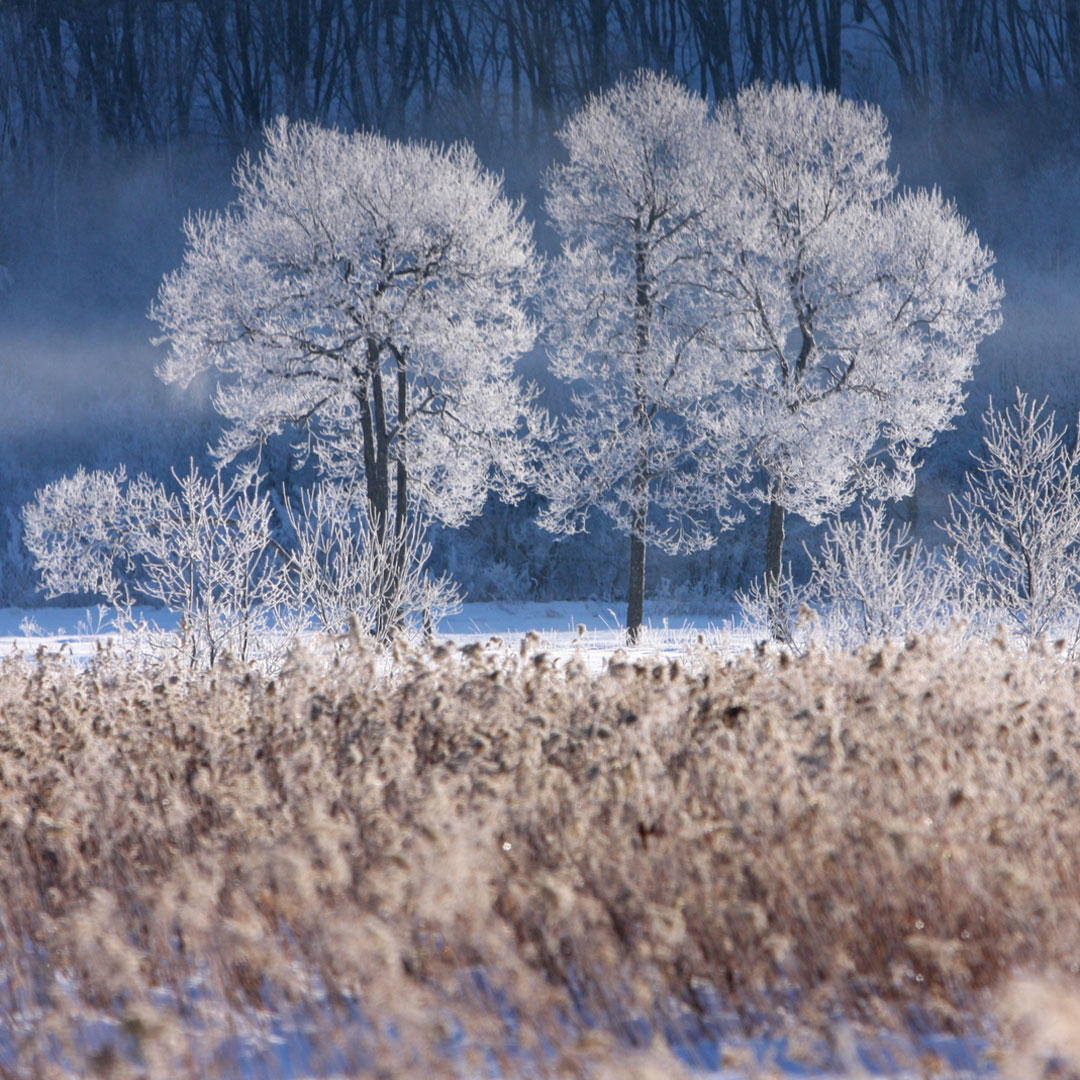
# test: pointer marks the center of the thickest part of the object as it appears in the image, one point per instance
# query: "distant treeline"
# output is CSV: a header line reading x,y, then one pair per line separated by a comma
x,y
138,72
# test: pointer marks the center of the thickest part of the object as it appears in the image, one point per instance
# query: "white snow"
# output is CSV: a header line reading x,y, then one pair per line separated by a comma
x,y
77,632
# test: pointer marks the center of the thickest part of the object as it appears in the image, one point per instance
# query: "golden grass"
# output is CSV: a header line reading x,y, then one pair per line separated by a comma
x,y
492,855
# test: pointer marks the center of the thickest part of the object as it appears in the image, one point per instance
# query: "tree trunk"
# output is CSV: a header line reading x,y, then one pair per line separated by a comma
x,y
382,440
636,603
396,564
639,510
400,495
825,31
379,501
774,571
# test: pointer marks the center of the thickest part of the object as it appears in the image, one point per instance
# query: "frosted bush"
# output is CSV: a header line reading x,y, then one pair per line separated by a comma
x,y
203,551
1015,529
344,569
871,579
778,609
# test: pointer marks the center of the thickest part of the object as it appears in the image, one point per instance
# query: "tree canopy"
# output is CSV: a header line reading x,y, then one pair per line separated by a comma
x,y
367,295
853,312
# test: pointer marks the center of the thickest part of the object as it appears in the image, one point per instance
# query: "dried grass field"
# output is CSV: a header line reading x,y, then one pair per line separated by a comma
x,y
496,865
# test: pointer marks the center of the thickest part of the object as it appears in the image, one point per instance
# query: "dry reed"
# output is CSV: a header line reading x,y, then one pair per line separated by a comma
x,y
497,862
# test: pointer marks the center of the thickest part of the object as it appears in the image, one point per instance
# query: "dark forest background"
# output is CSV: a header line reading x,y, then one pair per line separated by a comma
x,y
118,117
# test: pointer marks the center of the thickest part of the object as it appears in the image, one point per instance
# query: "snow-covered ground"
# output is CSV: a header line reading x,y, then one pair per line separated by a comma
x,y
597,629
563,627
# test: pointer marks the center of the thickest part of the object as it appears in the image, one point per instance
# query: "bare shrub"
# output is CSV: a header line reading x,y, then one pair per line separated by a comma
x,y
1016,526
871,580
207,553
203,551
345,568
779,610
1014,557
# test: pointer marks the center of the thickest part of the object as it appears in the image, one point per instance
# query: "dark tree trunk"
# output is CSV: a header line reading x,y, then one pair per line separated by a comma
x,y
774,570
598,75
635,606
825,27
382,444
639,510
396,566
214,18
401,492
373,422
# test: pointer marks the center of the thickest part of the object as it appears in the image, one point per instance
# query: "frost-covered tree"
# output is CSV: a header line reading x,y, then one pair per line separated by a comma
x,y
854,311
369,294
632,322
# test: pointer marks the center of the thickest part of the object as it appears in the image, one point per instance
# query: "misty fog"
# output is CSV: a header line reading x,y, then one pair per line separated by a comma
x,y
90,222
